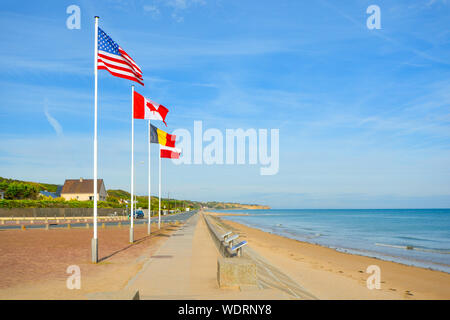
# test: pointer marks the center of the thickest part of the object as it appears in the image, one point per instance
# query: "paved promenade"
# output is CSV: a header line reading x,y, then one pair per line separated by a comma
x,y
166,275
185,267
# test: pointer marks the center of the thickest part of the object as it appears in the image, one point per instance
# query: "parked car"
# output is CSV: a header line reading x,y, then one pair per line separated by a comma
x,y
138,214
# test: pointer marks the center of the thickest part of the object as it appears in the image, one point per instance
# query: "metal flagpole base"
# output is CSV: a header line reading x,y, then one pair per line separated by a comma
x,y
94,243
131,235
148,228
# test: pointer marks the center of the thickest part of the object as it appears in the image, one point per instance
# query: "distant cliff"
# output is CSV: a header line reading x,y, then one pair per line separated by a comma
x,y
254,206
233,206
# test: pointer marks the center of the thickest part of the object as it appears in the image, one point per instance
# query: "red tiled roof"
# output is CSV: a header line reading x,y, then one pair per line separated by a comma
x,y
84,186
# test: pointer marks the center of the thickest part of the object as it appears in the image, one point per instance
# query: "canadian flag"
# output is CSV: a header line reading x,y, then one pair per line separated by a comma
x,y
147,109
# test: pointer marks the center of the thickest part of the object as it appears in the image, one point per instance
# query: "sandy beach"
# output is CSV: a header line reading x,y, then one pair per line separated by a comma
x,y
329,274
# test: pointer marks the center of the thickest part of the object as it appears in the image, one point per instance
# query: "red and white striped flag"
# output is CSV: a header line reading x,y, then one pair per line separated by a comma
x,y
169,152
113,58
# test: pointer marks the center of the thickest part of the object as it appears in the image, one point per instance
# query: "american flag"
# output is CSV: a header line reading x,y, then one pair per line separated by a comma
x,y
113,58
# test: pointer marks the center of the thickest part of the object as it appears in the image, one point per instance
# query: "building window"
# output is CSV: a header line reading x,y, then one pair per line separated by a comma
x,y
91,198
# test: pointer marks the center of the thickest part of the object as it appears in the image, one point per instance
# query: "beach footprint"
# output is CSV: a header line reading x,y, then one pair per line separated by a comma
x,y
408,293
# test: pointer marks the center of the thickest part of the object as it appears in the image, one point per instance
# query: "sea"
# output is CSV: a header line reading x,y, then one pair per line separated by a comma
x,y
418,237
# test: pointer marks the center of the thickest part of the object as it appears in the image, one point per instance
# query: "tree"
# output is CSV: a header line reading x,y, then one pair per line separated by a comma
x,y
18,190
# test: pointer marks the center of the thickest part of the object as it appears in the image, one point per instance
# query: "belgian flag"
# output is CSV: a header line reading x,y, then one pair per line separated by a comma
x,y
161,137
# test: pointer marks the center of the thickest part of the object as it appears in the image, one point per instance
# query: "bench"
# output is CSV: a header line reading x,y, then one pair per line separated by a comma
x,y
225,236
223,241
238,248
229,240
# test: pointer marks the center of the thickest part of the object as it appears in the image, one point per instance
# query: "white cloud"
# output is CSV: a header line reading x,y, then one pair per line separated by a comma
x,y
53,122
432,2
152,9
184,4
177,6
177,18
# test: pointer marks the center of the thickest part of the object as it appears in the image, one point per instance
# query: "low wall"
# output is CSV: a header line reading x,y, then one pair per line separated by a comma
x,y
236,272
57,212
232,271
217,237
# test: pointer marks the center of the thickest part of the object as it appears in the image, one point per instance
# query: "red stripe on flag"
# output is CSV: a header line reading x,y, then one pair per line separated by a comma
x,y
114,59
122,60
125,67
139,106
169,154
130,60
170,140
121,75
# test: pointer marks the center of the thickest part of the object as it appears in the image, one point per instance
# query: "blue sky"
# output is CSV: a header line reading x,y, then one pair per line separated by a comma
x,y
364,115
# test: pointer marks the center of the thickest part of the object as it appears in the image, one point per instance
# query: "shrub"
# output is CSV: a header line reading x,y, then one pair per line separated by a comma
x,y
19,190
56,203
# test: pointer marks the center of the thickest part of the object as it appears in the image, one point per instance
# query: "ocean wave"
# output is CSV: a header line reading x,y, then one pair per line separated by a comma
x,y
415,239
409,247
316,235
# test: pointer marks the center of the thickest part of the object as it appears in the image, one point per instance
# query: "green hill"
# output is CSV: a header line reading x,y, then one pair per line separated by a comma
x,y
116,195
5,182
27,190
18,189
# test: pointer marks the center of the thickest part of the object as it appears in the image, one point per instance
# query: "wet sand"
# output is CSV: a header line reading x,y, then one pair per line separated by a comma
x,y
329,274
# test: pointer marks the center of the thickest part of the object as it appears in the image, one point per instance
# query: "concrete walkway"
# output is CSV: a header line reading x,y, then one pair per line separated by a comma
x,y
166,273
185,267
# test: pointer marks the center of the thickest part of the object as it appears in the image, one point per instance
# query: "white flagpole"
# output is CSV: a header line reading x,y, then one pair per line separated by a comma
x,y
94,243
159,209
132,166
149,180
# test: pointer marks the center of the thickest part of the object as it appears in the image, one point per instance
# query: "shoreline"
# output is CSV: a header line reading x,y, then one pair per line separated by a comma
x,y
332,274
356,252
370,253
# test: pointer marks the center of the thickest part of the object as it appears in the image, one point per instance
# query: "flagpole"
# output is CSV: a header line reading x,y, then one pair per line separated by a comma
x,y
159,209
94,243
132,166
149,180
